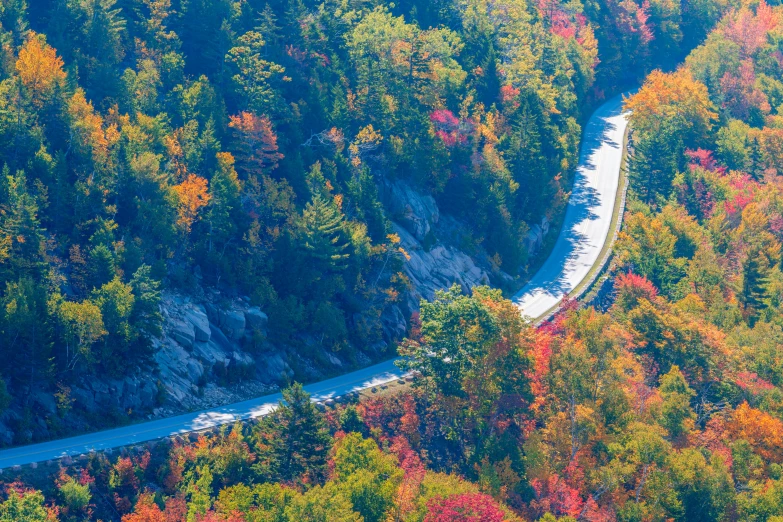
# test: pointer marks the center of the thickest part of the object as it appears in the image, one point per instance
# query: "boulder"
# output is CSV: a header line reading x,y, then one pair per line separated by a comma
x,y
148,392
195,370
198,318
437,269
273,369
130,401
45,401
256,319
534,239
333,359
170,358
242,359
83,399
183,332
219,338
210,353
213,312
131,386
97,385
232,322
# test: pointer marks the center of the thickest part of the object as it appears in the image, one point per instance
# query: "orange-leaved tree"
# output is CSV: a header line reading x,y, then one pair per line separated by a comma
x,y
192,196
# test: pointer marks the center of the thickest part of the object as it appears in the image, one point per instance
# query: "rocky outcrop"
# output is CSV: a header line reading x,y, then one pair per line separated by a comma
x,y
197,316
201,352
215,350
438,268
534,239
435,263
415,212
256,319
203,342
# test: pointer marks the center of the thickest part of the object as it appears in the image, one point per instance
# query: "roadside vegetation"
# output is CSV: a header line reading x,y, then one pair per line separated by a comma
x,y
241,146
666,406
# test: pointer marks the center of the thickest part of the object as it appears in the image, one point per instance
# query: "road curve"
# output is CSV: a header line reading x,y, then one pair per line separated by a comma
x,y
588,218
585,229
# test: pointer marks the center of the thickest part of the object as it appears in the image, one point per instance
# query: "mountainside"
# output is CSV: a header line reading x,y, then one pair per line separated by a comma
x,y
205,200
326,164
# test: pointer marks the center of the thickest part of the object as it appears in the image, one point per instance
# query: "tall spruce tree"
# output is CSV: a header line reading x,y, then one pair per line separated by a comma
x,y
294,440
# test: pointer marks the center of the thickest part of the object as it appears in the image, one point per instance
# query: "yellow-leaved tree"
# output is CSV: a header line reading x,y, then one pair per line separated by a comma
x,y
39,68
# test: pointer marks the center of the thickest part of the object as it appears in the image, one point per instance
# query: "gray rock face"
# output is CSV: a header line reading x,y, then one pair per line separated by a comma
x,y
394,324
198,318
179,372
219,338
232,322
535,237
182,331
83,399
417,213
273,368
256,319
211,353
438,268
414,216
45,401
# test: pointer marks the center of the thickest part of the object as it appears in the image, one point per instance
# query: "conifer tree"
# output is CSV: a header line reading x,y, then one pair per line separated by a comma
x,y
324,234
293,441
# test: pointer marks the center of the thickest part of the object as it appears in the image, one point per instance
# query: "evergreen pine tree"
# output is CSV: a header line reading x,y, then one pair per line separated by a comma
x,y
323,233
293,440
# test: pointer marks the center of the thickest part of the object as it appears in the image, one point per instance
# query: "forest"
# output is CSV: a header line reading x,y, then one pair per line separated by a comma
x,y
154,145
237,146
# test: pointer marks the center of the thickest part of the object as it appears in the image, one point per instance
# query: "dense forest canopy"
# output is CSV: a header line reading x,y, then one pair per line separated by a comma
x,y
149,145
155,145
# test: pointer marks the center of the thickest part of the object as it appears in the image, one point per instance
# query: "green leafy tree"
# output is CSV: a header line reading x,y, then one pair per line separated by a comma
x,y
366,476
456,331
754,283
98,27
101,266
703,484
26,333
323,504
21,236
256,79
146,316
75,495
82,326
676,413
115,300
199,493
323,234
25,506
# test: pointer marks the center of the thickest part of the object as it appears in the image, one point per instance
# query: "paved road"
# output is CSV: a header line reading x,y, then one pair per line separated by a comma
x,y
138,433
588,217
586,227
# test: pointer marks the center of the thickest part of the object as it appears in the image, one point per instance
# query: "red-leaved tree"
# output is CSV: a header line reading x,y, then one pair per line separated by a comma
x,y
466,507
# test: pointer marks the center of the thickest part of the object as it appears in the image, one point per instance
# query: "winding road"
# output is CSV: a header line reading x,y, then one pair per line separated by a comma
x,y
588,223
585,230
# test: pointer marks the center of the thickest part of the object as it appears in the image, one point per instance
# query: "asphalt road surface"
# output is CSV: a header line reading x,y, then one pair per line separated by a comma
x,y
588,218
585,229
138,433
